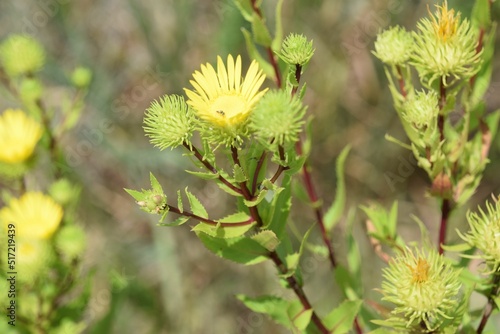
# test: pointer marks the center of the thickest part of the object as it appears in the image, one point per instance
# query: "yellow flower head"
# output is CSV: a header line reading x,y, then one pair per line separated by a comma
x,y
18,136
34,215
223,98
445,22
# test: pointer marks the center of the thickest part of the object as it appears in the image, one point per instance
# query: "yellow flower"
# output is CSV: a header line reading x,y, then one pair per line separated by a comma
x,y
32,258
223,98
18,136
446,22
34,215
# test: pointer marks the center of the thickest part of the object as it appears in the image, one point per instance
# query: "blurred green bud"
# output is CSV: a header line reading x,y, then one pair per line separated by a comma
x,y
71,241
81,77
484,235
394,46
33,257
67,326
169,122
421,109
296,50
445,48
21,54
30,90
278,117
63,191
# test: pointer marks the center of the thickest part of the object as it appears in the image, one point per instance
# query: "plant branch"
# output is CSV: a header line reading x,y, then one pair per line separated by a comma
x,y
281,168
206,220
490,306
401,81
211,168
294,285
298,73
260,163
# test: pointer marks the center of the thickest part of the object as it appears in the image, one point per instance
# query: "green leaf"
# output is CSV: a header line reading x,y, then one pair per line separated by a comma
x,y
267,239
225,232
266,67
239,174
196,207
458,248
242,250
137,195
299,316
341,319
353,255
276,215
262,194
204,175
155,185
334,213
278,28
481,17
261,34
274,307
245,8
346,282
179,201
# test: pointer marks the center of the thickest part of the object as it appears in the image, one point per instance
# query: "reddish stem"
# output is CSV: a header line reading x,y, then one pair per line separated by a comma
x,y
445,212
206,220
260,163
491,303
401,81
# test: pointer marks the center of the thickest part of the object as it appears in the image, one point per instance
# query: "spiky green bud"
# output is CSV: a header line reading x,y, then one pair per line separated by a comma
x,y
169,122
425,288
421,109
484,234
151,200
296,50
278,118
394,46
21,54
71,241
30,90
445,48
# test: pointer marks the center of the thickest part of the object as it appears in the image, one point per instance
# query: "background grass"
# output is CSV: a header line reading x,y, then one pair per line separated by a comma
x,y
151,279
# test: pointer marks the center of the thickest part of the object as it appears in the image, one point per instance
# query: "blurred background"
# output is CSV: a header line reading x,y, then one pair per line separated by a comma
x,y
151,279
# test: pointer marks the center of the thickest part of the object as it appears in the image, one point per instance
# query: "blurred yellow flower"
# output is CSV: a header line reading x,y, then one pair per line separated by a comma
x,y
223,98
34,215
18,136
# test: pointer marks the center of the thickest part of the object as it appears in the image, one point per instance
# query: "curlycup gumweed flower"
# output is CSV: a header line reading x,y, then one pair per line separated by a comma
x,y
34,215
484,234
19,135
21,54
394,46
296,50
421,109
424,286
445,47
223,99
169,122
277,119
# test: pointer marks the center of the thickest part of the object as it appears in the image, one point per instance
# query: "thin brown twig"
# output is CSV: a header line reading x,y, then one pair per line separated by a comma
x,y
490,306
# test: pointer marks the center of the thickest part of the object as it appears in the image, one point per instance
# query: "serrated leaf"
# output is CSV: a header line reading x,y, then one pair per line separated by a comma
x,y
228,190
298,315
292,262
179,221
480,16
261,34
204,175
223,232
245,8
239,174
155,185
278,28
458,248
137,195
277,214
334,213
196,207
266,67
179,201
242,250
341,319
267,239
262,194
274,307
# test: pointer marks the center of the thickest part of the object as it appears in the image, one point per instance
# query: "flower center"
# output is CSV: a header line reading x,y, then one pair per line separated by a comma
x,y
228,106
446,25
420,271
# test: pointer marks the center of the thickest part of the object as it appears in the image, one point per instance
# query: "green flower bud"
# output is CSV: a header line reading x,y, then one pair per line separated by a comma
x,y
421,109
81,77
20,54
296,50
64,192
484,234
30,90
71,241
169,122
278,118
32,258
394,46
445,48
425,287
